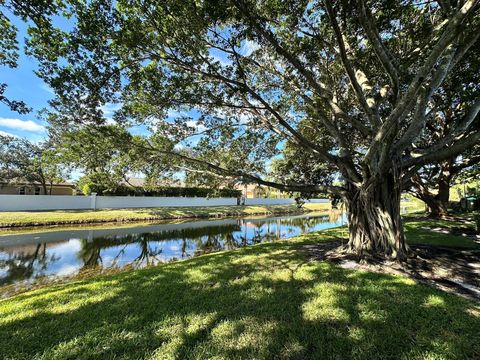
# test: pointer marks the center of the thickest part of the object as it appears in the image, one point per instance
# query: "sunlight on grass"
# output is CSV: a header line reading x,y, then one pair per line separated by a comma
x,y
252,302
418,233
263,301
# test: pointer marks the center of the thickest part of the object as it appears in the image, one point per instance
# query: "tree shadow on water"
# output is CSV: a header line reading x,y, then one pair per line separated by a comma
x,y
263,302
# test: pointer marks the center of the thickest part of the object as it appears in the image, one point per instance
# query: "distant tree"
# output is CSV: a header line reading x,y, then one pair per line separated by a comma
x,y
24,161
433,183
456,96
108,156
350,83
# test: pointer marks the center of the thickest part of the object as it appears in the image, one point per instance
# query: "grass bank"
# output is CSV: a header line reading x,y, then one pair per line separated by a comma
x,y
419,229
65,217
264,301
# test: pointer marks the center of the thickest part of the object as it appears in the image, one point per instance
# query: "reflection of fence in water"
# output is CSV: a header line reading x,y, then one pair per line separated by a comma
x,y
148,246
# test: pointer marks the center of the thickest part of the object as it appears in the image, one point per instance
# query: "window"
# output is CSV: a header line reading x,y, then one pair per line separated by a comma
x,y
21,191
37,190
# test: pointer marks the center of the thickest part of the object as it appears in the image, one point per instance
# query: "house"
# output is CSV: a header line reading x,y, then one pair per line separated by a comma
x,y
258,191
141,182
25,188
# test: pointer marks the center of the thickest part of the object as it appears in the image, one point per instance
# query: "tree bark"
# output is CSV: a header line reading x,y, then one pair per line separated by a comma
x,y
436,208
437,203
44,188
374,221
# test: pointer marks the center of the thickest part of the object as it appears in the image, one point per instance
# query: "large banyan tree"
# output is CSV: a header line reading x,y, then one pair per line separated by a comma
x,y
345,84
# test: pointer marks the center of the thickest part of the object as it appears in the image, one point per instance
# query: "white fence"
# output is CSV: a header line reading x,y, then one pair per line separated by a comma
x,y
63,202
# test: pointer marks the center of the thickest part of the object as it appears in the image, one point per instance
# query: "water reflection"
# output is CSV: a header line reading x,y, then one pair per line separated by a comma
x,y
24,257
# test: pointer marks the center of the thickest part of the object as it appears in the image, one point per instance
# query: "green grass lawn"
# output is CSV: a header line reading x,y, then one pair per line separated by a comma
x,y
417,232
264,301
59,217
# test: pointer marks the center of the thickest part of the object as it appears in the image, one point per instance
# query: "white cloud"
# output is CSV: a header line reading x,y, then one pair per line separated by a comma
x,y
172,113
243,117
196,125
25,125
4,133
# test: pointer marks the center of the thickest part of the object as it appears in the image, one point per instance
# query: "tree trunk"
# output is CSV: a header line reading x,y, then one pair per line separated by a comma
x,y
443,195
44,187
375,225
437,203
436,208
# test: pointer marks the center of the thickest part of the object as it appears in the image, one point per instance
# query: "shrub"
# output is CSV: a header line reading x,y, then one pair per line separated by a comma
x,y
123,190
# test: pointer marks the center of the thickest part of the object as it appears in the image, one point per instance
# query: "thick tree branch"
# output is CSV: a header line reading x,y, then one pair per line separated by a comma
x,y
318,88
388,130
373,117
433,155
368,24
215,169
419,117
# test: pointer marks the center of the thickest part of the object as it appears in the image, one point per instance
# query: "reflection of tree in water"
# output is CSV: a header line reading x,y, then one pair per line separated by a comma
x,y
91,251
274,229
23,265
260,231
148,255
191,242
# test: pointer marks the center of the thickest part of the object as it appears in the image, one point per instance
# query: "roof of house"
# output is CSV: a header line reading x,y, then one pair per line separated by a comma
x,y
26,183
139,182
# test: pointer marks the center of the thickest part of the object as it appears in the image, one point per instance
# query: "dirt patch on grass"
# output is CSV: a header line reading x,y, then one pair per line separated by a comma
x,y
449,269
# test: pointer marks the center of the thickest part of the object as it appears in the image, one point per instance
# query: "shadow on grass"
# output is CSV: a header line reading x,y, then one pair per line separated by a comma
x,y
260,302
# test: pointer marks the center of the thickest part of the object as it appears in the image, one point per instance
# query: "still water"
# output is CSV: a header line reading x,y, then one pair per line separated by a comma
x,y
64,252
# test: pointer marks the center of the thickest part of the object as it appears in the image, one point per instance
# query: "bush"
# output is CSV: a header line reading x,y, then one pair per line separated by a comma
x,y
123,190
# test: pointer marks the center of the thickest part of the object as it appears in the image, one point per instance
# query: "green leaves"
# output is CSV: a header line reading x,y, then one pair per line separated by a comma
x,y
24,161
225,86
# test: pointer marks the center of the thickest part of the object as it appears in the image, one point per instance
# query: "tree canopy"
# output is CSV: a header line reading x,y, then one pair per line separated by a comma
x,y
38,13
348,85
22,161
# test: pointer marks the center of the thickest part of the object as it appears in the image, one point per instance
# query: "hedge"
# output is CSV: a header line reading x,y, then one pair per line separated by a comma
x,y
168,191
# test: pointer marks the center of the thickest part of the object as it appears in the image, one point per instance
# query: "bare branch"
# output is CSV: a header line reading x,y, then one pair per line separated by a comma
x,y
218,170
373,117
419,117
318,88
388,130
368,24
432,155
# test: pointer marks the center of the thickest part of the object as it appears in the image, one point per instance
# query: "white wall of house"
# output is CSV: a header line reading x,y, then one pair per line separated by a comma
x,y
52,202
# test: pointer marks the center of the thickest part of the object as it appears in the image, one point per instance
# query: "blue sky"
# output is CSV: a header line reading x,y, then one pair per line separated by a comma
x,y
24,85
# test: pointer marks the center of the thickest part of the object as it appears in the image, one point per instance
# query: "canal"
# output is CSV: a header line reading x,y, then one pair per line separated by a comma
x,y
59,252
